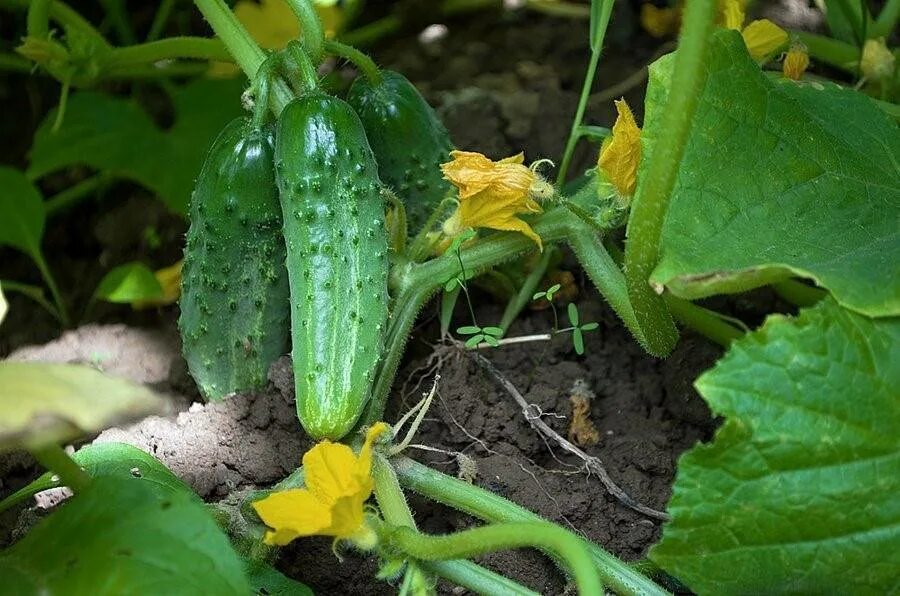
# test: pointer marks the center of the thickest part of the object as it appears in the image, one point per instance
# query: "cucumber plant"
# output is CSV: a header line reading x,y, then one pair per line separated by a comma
x,y
739,178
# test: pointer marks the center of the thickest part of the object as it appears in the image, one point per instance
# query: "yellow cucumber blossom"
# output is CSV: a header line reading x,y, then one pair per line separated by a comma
x,y
762,38
877,62
621,152
731,14
492,194
795,62
338,482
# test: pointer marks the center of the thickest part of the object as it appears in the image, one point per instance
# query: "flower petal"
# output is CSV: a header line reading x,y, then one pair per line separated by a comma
x,y
329,470
795,63
763,37
621,155
515,224
291,514
732,14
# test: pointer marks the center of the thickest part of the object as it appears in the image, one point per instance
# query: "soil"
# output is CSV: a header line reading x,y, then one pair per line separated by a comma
x,y
503,83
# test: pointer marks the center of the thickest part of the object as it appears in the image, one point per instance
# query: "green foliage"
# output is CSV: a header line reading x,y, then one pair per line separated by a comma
x,y
125,535
116,135
52,403
264,579
798,491
847,20
780,178
132,282
22,213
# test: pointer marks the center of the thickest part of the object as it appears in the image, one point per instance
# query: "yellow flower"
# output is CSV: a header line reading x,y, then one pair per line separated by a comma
x,y
493,193
660,22
169,279
338,482
763,37
795,62
732,14
621,152
877,62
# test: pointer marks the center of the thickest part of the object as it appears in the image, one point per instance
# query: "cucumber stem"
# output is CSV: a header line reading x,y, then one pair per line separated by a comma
x,y
649,205
311,31
306,74
55,459
359,59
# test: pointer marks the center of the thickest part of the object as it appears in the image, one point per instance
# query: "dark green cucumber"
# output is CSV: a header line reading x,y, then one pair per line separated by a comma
x,y
409,141
336,259
234,305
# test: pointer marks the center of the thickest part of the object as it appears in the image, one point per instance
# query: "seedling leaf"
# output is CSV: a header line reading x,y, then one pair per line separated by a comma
x,y
578,341
475,340
468,330
589,326
799,487
572,311
495,331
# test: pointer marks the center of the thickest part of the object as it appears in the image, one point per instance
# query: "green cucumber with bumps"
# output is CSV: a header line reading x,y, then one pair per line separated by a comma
x,y
235,318
337,261
409,141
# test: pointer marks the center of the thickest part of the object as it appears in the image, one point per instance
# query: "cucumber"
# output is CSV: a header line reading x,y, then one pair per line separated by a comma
x,y
409,140
234,306
337,261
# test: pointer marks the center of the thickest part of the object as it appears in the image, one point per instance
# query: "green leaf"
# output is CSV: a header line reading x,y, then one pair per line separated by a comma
x,y
495,331
43,403
132,282
264,579
798,491
22,213
116,135
589,326
538,295
491,341
451,285
468,330
475,340
123,536
578,341
845,20
572,311
780,178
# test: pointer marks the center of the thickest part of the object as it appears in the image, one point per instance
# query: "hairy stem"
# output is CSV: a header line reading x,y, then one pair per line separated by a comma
x,y
359,59
649,205
200,48
310,28
494,508
477,541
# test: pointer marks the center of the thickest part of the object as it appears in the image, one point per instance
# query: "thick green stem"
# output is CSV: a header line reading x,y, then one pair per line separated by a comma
x,y
200,48
648,209
362,61
704,321
830,51
494,508
305,69
310,28
501,536
597,36
65,16
241,46
476,578
38,22
55,459
798,293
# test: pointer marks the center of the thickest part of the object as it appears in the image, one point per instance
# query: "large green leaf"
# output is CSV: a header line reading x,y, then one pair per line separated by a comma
x,y
265,579
115,135
798,493
781,178
21,212
43,403
124,536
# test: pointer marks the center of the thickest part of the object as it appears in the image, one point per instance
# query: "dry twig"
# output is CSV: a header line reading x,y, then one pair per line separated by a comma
x,y
592,463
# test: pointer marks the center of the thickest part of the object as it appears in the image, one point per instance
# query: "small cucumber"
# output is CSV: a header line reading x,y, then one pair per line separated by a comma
x,y
409,141
336,258
234,305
